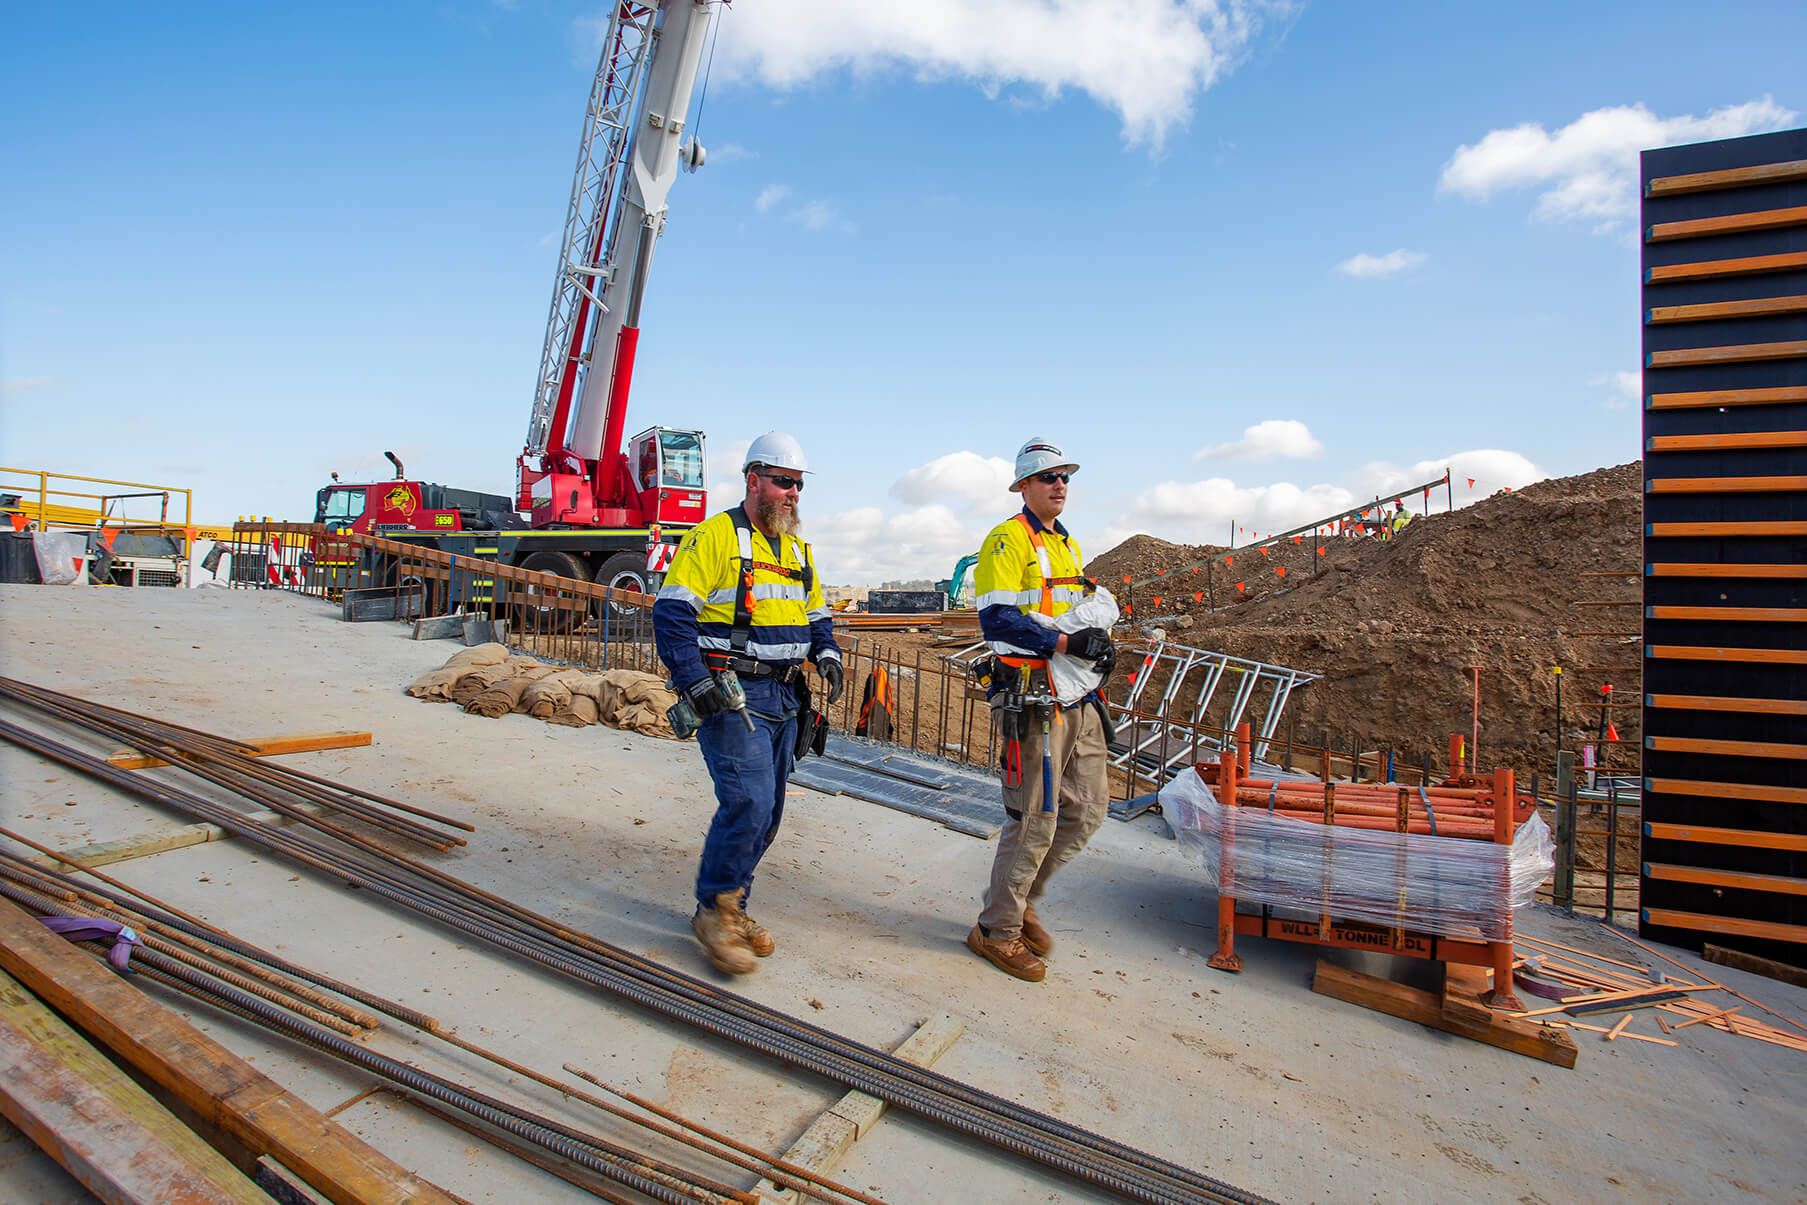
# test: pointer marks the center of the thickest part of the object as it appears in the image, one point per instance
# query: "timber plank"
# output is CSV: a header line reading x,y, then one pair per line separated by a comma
x,y
1756,307
1785,527
1712,269
261,746
1691,652
1411,1004
94,1120
1734,925
223,1089
1738,960
828,1139
1705,835
1741,879
1736,353
1727,790
1719,441
1712,399
1731,614
1726,569
1727,177
1726,485
1690,744
1722,703
1731,223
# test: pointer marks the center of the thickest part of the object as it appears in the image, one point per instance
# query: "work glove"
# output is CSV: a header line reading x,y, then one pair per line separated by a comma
x,y
1105,664
832,674
705,698
1089,644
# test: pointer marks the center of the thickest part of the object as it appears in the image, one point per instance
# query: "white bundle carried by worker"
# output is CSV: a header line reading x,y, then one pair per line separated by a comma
x,y
1072,677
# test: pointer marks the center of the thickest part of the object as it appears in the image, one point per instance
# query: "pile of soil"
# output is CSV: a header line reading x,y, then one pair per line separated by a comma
x,y
1393,625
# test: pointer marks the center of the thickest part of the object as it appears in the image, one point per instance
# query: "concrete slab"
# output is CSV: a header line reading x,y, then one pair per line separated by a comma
x,y
1251,1078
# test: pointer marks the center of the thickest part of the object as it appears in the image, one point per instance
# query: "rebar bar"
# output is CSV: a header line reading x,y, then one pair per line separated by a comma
x,y
1090,1157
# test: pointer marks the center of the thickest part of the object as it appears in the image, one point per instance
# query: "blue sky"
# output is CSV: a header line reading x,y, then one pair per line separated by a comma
x,y
243,246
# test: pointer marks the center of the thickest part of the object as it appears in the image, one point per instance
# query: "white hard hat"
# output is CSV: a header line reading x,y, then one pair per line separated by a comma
x,y
776,450
1038,456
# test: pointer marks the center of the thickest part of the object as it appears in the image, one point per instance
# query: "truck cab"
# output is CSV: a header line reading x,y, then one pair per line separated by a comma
x,y
667,468
377,507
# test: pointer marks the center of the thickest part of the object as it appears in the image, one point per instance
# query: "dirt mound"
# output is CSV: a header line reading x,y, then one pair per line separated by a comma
x,y
1393,625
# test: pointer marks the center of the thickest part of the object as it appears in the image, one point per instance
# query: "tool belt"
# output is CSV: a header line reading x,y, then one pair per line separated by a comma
x,y
748,667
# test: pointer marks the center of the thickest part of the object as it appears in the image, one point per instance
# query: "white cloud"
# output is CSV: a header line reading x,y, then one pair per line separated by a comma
x,y
1202,512
821,215
770,196
19,385
974,479
1623,389
1271,439
1588,170
1146,60
869,545
1365,266
729,152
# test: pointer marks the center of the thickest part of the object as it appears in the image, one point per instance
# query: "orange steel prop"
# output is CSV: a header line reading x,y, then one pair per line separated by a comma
x,y
1487,810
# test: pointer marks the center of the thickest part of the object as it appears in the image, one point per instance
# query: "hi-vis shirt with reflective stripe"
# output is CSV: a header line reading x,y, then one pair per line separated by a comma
x,y
1026,567
705,576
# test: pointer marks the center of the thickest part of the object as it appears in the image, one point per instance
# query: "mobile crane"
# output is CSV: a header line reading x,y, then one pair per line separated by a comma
x,y
592,511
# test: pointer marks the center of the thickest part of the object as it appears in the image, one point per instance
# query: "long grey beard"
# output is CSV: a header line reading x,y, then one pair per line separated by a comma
x,y
779,521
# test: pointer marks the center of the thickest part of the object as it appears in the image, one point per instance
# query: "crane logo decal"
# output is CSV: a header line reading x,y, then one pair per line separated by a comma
x,y
400,498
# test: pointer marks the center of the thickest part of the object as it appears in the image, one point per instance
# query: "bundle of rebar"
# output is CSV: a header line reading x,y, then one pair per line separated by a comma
x,y
346,856
223,968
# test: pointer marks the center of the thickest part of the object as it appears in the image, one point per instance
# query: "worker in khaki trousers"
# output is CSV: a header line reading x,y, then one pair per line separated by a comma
x,y
1053,803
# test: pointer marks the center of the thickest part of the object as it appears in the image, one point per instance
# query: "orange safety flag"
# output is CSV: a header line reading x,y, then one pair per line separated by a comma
x,y
1262,551
1229,560
1157,600
1295,539
1612,731
1320,550
1160,572
1126,577
108,535
1281,570
1242,587
1471,483
1198,596
18,521
1195,569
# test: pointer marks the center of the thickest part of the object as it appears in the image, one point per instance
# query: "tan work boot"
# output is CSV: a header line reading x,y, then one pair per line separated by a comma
x,y
1012,957
758,940
1038,939
718,928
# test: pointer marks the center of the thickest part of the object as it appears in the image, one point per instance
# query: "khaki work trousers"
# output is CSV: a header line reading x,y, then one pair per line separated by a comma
x,y
1035,843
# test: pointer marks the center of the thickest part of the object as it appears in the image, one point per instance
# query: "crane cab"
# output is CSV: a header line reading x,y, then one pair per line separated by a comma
x,y
666,464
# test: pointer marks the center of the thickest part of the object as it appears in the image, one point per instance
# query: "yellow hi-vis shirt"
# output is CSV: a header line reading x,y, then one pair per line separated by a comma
x,y
705,575
1016,575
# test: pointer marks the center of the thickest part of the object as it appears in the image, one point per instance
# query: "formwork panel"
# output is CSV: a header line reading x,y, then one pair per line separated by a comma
x,y
1725,781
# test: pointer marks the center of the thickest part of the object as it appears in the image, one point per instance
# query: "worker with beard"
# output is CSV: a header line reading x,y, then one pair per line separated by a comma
x,y
1052,756
742,599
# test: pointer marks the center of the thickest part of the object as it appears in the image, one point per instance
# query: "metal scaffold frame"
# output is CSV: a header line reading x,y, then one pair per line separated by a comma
x,y
1180,661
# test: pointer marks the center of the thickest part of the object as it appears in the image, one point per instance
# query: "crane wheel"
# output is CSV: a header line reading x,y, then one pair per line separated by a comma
x,y
539,613
627,571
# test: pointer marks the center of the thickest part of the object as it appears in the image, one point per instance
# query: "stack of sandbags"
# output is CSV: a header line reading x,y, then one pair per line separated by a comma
x,y
488,681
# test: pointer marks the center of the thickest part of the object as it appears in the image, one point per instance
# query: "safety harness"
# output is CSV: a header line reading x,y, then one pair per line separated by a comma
x,y
736,658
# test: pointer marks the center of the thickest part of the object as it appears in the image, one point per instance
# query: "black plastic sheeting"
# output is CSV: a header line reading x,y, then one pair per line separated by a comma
x,y
958,797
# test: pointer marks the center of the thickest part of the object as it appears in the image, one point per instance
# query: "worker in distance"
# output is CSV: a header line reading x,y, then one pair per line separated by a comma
x,y
1052,726
739,612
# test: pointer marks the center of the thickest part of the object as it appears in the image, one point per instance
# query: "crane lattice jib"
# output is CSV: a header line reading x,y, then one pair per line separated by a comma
x,y
593,216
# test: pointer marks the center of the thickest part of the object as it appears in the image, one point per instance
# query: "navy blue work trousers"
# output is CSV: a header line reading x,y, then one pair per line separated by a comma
x,y
750,770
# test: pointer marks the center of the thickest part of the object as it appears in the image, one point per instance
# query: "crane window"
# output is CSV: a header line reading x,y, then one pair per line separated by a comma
x,y
683,456
344,504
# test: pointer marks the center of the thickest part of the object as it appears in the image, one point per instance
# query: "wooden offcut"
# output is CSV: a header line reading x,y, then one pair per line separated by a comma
x,y
828,1139
219,1087
1769,968
93,1119
259,746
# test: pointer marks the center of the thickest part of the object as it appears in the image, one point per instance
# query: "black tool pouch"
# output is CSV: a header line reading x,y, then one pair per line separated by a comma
x,y
812,725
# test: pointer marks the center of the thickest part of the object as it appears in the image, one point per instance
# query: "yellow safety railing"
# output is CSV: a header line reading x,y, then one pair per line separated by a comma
x,y
72,500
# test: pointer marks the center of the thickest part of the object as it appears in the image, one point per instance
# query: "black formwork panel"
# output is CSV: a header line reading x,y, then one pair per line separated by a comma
x,y
1725,545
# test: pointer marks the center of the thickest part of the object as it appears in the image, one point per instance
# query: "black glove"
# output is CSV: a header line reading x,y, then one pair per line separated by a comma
x,y
1089,644
1105,664
830,670
705,698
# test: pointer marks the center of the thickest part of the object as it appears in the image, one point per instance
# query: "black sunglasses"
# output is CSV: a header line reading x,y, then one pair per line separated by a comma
x,y
1051,478
784,482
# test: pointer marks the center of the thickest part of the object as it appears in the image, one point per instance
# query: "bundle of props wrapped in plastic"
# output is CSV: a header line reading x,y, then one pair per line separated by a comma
x,y
487,680
1453,886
